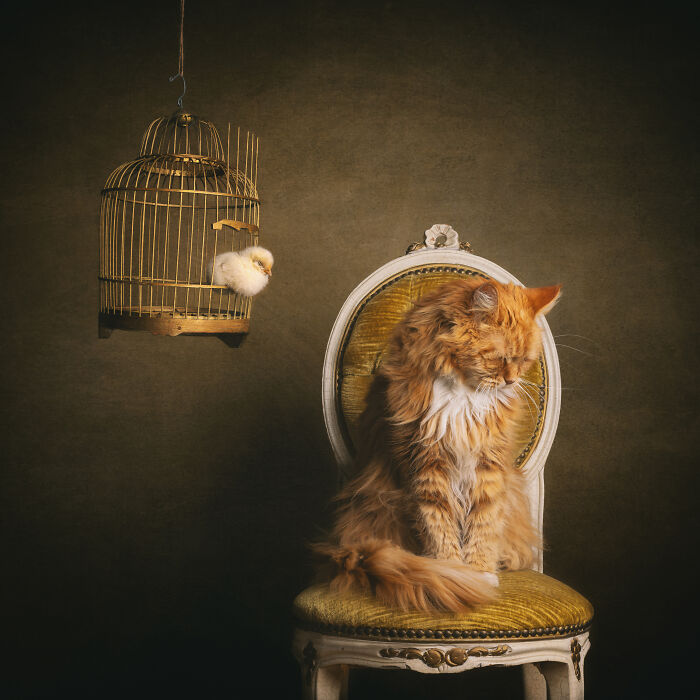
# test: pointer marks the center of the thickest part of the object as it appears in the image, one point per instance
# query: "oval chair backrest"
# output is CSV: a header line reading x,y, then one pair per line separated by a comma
x,y
360,336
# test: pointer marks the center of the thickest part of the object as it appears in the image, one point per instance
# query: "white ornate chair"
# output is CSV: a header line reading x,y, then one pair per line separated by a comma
x,y
536,621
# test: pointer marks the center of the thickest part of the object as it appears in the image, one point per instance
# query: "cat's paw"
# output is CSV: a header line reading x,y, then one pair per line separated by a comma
x,y
491,578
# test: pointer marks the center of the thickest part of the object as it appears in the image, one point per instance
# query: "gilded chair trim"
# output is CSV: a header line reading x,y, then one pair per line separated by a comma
x,y
542,391
457,656
385,633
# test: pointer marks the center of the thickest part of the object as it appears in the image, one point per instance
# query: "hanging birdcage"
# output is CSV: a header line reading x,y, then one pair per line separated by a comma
x,y
165,217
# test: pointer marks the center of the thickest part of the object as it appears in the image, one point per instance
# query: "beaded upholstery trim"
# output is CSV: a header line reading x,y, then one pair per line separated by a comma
x,y
537,430
384,633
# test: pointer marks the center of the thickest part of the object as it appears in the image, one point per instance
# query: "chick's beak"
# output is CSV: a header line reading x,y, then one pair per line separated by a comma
x,y
268,271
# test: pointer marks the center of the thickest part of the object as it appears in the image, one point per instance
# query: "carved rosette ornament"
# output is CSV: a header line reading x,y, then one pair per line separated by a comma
x,y
576,657
440,236
437,657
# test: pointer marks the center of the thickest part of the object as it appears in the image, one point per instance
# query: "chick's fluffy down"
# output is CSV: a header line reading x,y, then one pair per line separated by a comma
x,y
246,272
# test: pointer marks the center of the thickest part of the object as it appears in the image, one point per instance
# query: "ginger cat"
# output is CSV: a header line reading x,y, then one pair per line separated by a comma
x,y
437,507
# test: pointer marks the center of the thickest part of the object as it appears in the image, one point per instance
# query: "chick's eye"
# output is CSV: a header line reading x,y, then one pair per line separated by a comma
x,y
259,263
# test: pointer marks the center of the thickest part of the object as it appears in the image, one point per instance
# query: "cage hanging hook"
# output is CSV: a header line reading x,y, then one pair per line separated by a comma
x,y
181,57
184,87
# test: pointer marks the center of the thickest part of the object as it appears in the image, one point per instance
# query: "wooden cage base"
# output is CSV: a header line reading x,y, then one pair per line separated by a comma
x,y
231,330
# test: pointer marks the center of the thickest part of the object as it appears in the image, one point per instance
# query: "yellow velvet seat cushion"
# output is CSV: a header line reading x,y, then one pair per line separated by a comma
x,y
529,605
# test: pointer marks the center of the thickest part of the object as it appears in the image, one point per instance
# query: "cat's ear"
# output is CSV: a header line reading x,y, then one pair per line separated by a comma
x,y
543,299
485,298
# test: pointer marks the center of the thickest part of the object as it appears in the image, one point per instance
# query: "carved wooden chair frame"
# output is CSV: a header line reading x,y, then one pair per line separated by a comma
x,y
551,658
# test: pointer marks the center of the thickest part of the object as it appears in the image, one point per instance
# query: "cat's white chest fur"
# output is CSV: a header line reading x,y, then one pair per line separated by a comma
x,y
455,414
457,407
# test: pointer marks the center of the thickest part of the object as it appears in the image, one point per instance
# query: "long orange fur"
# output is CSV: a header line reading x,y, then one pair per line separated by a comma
x,y
437,504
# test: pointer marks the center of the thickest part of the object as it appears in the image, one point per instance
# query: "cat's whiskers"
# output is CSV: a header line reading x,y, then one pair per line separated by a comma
x,y
575,335
527,403
483,390
522,391
535,385
571,347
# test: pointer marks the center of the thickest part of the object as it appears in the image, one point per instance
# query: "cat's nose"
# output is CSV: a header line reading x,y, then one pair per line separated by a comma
x,y
509,381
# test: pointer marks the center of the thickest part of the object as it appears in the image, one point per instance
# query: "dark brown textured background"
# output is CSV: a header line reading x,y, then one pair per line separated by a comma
x,y
157,492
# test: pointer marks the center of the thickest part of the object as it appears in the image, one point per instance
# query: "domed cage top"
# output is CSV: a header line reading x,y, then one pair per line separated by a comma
x,y
164,218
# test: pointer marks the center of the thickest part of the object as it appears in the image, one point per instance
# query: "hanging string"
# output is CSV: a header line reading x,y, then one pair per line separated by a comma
x,y
181,62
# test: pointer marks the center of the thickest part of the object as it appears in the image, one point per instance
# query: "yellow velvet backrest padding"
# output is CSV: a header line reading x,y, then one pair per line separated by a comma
x,y
367,335
527,600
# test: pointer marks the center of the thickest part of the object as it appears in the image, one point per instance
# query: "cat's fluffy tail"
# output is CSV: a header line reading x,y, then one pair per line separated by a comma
x,y
408,581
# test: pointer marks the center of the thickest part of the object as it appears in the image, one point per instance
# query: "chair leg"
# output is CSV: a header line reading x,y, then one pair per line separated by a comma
x,y
562,682
534,683
326,683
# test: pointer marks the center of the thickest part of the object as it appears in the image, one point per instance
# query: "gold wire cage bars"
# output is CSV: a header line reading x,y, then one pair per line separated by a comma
x,y
164,218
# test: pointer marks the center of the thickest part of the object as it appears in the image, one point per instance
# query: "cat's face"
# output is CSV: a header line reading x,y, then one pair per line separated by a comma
x,y
498,338
504,354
